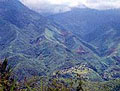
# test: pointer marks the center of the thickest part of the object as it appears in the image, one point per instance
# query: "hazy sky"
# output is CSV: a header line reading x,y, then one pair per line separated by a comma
x,y
65,5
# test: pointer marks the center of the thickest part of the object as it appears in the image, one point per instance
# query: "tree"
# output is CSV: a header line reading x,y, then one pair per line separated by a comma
x,y
7,82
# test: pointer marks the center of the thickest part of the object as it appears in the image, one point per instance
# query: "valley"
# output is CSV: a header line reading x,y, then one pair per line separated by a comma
x,y
80,41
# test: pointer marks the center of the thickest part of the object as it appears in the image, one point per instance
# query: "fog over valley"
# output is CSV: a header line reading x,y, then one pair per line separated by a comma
x,y
56,6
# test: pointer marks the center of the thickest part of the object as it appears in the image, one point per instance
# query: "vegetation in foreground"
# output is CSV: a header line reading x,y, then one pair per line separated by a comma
x,y
9,83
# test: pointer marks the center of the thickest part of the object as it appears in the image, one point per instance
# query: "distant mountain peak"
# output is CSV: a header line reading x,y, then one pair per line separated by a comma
x,y
82,6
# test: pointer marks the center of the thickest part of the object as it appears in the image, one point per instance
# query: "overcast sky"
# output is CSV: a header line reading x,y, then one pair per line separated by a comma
x,y
65,5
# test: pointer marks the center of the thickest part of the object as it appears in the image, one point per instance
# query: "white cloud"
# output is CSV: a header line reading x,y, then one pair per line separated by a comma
x,y
65,5
103,4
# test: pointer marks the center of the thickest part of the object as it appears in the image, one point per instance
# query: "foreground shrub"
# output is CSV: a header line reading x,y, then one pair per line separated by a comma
x,y
51,83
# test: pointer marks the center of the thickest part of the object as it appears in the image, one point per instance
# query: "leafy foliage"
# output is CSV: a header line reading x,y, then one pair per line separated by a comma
x,y
7,82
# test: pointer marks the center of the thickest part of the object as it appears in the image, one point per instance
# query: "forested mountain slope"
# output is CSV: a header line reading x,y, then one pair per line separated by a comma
x,y
35,46
100,30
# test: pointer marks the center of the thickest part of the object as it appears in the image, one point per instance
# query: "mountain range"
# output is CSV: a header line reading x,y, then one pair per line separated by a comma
x,y
82,41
